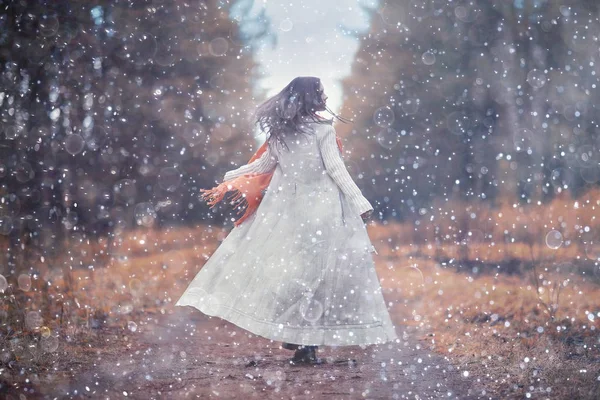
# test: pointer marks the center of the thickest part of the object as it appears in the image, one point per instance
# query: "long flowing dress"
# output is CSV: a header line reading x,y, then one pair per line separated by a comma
x,y
300,268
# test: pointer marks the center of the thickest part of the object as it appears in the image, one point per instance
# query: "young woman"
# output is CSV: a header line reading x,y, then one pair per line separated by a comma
x,y
297,268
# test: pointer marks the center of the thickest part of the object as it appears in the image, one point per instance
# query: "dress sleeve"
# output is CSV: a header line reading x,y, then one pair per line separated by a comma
x,y
265,163
334,164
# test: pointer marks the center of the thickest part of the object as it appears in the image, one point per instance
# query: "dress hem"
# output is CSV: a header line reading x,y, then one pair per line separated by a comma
x,y
345,335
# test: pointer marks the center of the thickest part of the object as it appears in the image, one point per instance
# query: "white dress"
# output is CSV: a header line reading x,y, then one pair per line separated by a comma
x,y
300,268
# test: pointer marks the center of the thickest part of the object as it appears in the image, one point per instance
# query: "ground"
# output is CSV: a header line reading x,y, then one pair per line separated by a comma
x,y
162,359
471,325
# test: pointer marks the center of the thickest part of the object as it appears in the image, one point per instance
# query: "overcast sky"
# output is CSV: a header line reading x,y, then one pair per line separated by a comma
x,y
311,41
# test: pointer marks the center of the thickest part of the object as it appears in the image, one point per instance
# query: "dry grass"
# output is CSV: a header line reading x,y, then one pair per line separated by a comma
x,y
497,330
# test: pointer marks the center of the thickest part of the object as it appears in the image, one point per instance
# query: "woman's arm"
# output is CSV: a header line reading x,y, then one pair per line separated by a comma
x,y
334,164
265,163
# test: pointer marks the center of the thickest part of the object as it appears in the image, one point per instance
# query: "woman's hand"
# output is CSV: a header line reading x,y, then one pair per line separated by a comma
x,y
366,215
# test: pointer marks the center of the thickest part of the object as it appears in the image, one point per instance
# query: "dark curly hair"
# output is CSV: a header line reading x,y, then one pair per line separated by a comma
x,y
285,113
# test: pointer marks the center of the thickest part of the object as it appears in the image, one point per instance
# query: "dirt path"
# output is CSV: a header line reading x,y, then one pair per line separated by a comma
x,y
188,355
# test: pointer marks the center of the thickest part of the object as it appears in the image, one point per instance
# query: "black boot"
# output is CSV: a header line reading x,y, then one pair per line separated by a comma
x,y
306,355
299,355
311,356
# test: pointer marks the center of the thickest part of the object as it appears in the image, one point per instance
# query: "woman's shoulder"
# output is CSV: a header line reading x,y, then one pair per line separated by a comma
x,y
324,127
320,127
321,130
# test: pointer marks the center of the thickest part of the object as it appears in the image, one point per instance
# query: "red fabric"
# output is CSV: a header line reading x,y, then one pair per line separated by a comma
x,y
248,188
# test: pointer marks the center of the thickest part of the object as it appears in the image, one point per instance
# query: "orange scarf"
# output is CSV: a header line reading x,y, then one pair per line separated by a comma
x,y
249,188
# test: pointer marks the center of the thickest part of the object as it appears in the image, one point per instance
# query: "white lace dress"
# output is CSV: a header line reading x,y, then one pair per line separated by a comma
x,y
300,268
